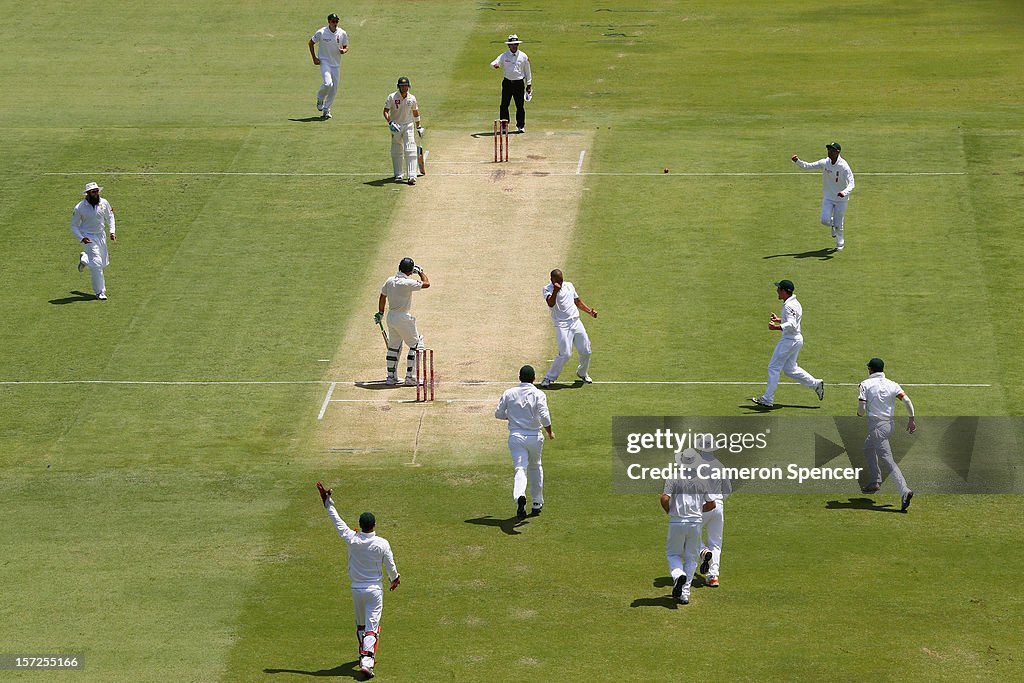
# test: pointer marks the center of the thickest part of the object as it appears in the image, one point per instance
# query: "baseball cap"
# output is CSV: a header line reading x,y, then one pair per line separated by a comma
x,y
367,520
834,145
333,17
876,365
786,285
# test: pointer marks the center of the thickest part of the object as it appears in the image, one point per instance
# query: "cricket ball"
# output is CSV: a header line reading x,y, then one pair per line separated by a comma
x,y
664,170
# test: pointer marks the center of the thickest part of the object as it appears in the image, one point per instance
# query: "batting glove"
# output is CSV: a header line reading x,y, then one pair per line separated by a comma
x,y
378,316
417,270
394,127
420,131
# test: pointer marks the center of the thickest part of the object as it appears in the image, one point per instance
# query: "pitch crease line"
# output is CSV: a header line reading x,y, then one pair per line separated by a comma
x,y
579,166
327,400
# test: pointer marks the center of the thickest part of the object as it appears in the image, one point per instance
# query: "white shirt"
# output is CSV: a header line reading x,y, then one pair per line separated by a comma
x,y
565,312
366,552
879,394
515,64
401,109
718,487
525,407
88,221
329,45
687,500
792,312
835,178
398,289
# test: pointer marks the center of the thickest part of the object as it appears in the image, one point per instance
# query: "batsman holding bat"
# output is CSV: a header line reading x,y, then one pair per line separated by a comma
x,y
366,553
397,294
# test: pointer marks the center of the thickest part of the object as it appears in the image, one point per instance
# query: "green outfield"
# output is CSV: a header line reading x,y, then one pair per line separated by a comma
x,y
158,451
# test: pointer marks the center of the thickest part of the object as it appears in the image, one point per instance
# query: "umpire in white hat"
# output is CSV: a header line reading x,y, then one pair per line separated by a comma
x,y
90,220
517,83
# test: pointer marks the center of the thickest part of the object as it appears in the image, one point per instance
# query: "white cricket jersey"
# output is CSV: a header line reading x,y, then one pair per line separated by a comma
x,y
879,395
366,553
401,108
329,45
525,407
792,312
565,312
835,178
718,486
687,502
398,289
87,220
516,66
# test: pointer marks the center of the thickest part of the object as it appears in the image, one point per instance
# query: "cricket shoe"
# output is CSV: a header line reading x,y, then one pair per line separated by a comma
x,y
585,377
905,501
545,382
391,380
326,115
412,181
102,296
521,507
819,389
705,561
677,588
81,262
410,381
684,599
761,402
366,666
713,582
840,247
520,130
536,510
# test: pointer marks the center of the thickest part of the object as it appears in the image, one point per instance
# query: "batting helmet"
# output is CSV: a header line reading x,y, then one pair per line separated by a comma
x,y
403,81
406,265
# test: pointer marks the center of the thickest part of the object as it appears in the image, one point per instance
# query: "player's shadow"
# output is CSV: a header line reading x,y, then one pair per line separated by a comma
x,y
385,182
508,526
308,119
860,504
558,386
826,254
754,408
378,384
348,670
78,296
666,601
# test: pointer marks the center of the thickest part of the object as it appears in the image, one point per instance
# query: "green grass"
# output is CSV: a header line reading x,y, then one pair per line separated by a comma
x,y
172,532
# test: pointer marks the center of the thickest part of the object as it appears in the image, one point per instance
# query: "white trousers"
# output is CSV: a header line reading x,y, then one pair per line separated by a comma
x,y
96,257
682,549
567,337
402,328
368,604
832,212
526,448
714,524
404,152
877,446
329,88
784,360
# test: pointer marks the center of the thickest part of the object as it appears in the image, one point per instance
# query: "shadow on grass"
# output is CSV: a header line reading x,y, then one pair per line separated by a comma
x,y
506,525
348,670
666,601
826,254
860,504
754,408
378,384
384,182
308,119
78,296
558,386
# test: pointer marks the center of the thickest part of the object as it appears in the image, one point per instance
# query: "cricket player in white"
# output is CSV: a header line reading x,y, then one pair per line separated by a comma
x,y
402,113
836,186
876,398
517,82
90,219
397,294
333,43
366,553
713,522
683,500
565,305
788,348
526,409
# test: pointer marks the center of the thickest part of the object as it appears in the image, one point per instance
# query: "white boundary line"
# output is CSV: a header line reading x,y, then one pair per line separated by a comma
x,y
375,174
461,383
323,408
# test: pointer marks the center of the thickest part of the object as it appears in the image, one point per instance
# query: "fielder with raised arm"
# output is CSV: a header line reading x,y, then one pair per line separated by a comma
x,y
402,113
366,553
526,409
836,186
565,305
397,295
876,398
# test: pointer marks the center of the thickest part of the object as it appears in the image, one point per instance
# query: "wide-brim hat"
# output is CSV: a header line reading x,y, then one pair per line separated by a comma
x,y
686,457
513,40
89,187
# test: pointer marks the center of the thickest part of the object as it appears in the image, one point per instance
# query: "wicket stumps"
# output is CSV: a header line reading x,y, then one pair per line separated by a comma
x,y
424,374
500,140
